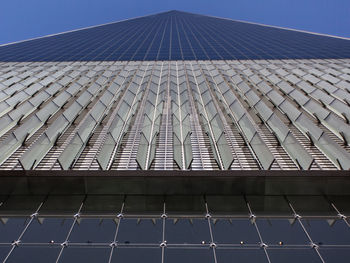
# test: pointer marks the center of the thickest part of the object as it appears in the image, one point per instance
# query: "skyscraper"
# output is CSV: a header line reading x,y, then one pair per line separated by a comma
x,y
175,137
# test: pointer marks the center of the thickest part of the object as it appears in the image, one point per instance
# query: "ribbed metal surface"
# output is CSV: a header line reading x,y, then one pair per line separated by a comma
x,y
169,115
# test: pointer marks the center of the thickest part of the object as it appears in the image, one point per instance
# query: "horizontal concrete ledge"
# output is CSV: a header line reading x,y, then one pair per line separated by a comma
x,y
176,182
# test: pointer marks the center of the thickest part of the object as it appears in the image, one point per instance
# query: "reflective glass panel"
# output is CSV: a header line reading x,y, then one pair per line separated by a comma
x,y
246,255
234,231
227,205
204,255
100,230
4,250
136,255
21,204
11,228
328,231
103,204
342,203
35,254
85,254
311,205
287,231
269,205
144,204
62,204
284,255
187,231
140,231
185,204
45,230
335,255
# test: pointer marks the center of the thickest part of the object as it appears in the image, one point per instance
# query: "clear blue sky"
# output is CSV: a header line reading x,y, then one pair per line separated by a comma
x,y
23,19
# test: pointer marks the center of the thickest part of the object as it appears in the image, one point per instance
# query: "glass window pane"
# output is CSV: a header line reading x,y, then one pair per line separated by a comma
x,y
144,204
136,255
287,231
246,255
34,254
93,231
47,230
285,255
311,205
187,231
185,204
227,204
102,204
234,231
140,231
4,250
62,204
269,205
342,203
21,204
11,228
173,255
328,231
87,254
335,255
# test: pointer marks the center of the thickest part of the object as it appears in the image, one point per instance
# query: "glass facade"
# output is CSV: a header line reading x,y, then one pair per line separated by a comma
x,y
136,142
176,35
172,229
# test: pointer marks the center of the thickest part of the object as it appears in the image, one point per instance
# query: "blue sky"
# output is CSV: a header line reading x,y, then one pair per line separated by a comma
x,y
21,19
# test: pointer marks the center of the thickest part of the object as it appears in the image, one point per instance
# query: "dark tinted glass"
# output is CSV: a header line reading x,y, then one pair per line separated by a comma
x,y
143,204
241,255
140,231
63,204
136,255
103,204
204,255
342,203
4,250
11,229
227,205
185,204
187,231
34,254
312,205
234,231
46,230
334,255
93,231
21,204
328,231
287,231
269,205
293,255
85,254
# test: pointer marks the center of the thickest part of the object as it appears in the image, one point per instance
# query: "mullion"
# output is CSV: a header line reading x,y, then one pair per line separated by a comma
x,y
208,217
76,217
253,219
161,41
340,215
163,244
298,218
17,242
114,243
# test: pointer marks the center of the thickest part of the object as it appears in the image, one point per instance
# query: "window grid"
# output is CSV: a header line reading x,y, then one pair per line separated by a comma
x,y
207,37
177,218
